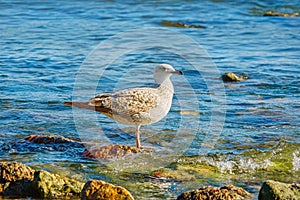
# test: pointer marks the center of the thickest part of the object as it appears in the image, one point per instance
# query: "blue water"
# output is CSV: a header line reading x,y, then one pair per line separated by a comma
x,y
44,45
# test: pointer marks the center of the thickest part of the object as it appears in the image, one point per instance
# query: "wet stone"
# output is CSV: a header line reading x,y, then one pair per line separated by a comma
x,y
228,192
51,139
110,152
11,174
47,185
280,14
100,190
279,191
53,142
233,77
179,25
18,180
13,171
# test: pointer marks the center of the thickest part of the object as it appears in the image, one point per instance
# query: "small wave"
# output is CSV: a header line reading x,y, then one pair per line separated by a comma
x,y
234,166
296,161
283,157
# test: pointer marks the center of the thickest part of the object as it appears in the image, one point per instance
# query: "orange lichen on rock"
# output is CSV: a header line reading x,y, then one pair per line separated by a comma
x,y
228,192
110,151
46,139
100,190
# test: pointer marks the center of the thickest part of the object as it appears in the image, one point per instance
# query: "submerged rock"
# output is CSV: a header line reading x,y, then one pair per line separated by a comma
x,y
231,77
280,14
51,142
100,190
272,190
51,139
18,180
110,151
179,25
38,143
228,192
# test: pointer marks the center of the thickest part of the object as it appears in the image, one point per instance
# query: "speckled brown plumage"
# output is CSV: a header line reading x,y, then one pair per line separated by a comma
x,y
126,105
136,106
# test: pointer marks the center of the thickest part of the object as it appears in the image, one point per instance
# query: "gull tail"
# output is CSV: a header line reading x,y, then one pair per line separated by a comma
x,y
85,105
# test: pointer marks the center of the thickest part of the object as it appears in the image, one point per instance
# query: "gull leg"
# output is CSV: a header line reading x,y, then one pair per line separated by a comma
x,y
137,136
137,139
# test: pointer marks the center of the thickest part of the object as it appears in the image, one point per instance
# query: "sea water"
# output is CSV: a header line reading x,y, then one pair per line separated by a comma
x,y
46,48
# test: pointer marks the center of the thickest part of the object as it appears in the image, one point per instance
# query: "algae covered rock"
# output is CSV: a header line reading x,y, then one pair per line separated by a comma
x,y
12,175
231,77
280,14
98,190
272,190
13,171
228,192
47,185
18,180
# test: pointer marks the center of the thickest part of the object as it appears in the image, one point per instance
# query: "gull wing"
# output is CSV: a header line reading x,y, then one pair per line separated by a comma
x,y
127,102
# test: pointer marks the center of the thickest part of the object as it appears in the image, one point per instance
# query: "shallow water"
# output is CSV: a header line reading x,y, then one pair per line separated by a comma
x,y
47,47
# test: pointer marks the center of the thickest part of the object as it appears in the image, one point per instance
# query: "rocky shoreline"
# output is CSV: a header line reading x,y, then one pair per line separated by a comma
x,y
19,181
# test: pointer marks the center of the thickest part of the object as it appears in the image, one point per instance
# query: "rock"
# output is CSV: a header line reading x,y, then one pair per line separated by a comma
x,y
179,25
11,174
272,190
47,185
231,77
189,112
110,151
13,171
51,139
98,190
18,189
228,192
276,14
18,180
48,142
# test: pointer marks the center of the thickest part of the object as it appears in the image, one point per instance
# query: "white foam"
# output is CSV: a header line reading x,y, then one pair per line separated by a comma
x,y
296,161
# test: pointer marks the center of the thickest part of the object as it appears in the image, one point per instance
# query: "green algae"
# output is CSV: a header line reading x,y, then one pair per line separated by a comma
x,y
280,156
249,168
277,190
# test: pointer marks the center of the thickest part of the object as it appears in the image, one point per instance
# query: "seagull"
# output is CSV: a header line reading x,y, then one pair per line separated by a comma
x,y
136,106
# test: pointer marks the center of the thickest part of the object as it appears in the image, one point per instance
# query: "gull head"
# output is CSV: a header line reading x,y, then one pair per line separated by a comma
x,y
163,72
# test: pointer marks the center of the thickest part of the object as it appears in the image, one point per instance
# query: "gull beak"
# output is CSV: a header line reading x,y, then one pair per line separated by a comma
x,y
177,72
